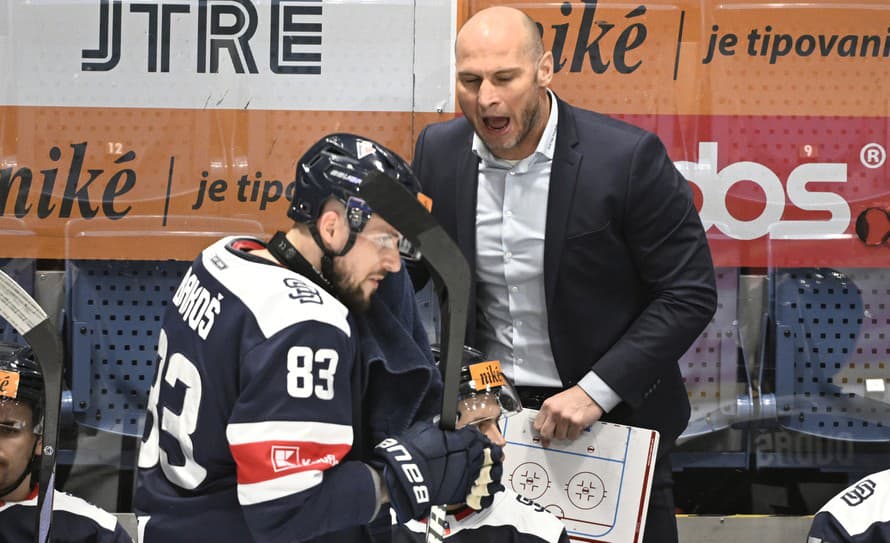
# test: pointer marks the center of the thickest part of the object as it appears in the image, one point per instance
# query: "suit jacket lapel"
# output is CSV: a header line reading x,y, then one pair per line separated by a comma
x,y
466,182
563,179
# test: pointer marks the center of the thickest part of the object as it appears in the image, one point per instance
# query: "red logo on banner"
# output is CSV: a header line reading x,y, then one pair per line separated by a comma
x,y
873,226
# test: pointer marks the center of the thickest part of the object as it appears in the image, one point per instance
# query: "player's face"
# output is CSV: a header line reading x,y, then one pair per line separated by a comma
x,y
483,411
359,272
501,89
17,440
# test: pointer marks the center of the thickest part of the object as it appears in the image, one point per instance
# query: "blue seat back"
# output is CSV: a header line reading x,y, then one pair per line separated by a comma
x,y
832,339
115,310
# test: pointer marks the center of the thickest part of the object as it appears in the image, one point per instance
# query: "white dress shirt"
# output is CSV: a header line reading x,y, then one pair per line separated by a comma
x,y
511,217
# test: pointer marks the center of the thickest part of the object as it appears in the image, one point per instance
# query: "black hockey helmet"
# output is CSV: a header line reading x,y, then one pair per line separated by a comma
x,y
335,167
21,379
481,383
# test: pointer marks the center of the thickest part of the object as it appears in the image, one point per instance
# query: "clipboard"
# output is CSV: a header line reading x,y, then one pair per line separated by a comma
x,y
598,484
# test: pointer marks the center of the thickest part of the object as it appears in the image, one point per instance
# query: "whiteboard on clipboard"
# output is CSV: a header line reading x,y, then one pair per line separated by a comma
x,y
598,484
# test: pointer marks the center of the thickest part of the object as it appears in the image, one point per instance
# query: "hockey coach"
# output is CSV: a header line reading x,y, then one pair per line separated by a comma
x,y
592,273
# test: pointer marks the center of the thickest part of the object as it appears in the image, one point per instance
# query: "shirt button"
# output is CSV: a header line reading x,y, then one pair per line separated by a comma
x,y
518,324
519,361
514,289
509,213
508,255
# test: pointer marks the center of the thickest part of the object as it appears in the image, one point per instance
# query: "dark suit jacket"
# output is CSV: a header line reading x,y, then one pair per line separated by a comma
x,y
628,275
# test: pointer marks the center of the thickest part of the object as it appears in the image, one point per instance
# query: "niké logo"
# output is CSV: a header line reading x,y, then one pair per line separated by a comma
x,y
9,384
589,45
224,28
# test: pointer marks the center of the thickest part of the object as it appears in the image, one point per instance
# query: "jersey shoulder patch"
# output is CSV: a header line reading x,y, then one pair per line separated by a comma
x,y
860,506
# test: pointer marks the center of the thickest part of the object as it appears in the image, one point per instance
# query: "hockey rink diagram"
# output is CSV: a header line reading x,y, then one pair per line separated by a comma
x,y
598,485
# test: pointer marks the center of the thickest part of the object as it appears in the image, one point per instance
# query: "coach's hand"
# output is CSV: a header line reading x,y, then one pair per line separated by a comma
x,y
427,466
564,415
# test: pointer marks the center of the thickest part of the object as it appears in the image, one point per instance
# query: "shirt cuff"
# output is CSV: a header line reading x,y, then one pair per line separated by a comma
x,y
599,391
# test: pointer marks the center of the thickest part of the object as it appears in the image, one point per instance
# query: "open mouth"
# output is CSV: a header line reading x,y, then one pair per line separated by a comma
x,y
497,125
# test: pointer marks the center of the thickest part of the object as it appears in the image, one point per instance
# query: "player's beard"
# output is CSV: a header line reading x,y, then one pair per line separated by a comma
x,y
349,292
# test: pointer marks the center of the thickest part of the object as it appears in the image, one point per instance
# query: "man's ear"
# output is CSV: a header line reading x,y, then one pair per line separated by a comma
x,y
38,450
545,69
328,224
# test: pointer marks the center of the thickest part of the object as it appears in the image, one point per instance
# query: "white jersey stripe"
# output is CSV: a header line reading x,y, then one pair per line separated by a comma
x,y
249,494
75,505
271,294
241,433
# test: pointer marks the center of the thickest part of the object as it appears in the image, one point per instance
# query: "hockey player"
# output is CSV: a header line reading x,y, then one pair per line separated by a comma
x,y
486,395
21,421
859,514
254,427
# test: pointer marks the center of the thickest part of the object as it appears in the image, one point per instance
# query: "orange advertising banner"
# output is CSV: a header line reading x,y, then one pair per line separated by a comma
x,y
776,113
693,57
155,183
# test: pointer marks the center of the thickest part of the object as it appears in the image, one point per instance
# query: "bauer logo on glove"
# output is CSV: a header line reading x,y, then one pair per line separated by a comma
x,y
410,470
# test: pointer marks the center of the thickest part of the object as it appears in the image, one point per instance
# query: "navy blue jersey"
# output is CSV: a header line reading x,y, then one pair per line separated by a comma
x,y
859,514
250,417
74,521
511,518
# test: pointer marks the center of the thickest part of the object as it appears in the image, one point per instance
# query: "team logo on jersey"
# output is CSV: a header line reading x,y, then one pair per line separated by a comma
x,y
285,458
302,292
859,493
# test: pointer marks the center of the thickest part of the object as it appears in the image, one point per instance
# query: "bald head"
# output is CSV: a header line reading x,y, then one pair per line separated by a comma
x,y
503,73
501,25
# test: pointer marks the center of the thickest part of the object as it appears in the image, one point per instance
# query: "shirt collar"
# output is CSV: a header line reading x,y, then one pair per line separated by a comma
x,y
545,147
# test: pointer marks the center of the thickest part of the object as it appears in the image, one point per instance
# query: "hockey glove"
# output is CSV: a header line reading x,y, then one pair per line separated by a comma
x,y
428,466
489,481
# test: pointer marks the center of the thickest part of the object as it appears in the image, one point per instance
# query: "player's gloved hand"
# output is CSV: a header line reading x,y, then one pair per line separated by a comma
x,y
428,466
489,481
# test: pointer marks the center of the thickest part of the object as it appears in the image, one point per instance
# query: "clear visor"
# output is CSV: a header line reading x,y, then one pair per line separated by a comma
x,y
11,424
358,213
407,250
486,395
16,428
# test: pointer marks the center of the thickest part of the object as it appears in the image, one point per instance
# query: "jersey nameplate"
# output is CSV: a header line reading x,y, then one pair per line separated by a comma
x,y
196,304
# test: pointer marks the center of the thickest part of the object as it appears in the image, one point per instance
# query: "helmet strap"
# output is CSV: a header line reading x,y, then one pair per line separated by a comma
x,y
328,256
289,257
